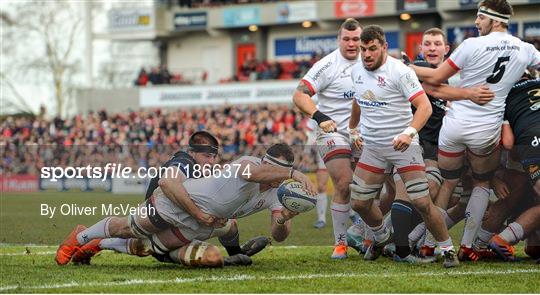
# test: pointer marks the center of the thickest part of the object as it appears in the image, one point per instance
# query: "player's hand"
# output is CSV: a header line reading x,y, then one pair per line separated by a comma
x,y
501,189
405,58
305,181
481,95
356,138
328,126
207,219
401,142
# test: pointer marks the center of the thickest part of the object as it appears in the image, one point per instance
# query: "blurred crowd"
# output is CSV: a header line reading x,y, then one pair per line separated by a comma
x,y
146,138
158,76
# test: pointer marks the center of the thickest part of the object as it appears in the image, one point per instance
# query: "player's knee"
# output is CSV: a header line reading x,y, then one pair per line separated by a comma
x,y
451,174
433,174
198,254
533,251
361,191
341,188
119,227
417,188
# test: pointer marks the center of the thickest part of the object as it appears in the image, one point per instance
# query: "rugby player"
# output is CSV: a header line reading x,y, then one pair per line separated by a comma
x,y
498,59
223,196
384,90
330,80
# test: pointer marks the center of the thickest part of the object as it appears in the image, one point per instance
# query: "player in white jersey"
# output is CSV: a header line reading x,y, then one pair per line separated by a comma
x,y
330,79
495,58
227,195
321,175
384,91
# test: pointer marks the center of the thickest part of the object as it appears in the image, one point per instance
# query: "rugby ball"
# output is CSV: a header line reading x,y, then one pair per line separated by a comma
x,y
293,196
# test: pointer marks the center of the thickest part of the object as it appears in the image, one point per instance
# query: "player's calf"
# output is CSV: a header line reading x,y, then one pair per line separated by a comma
x,y
198,254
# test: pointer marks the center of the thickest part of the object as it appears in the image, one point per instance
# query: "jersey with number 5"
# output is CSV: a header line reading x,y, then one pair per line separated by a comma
x,y
497,60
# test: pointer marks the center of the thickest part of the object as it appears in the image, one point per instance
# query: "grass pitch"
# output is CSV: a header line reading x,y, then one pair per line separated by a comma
x,y
302,264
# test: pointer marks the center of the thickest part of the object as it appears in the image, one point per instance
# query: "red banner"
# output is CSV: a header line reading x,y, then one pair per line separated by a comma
x,y
354,8
19,183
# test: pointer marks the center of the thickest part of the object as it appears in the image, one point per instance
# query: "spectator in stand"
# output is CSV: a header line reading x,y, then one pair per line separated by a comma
x,y
155,76
142,78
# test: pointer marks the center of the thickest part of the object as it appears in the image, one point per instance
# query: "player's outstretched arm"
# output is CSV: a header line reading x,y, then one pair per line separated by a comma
x,y
479,94
281,224
266,173
172,187
434,76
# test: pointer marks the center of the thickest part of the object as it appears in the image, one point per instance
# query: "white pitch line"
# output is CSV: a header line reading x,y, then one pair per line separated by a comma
x,y
271,278
29,254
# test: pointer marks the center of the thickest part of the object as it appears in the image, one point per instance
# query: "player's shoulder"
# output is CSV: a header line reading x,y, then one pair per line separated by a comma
x,y
329,60
249,159
395,66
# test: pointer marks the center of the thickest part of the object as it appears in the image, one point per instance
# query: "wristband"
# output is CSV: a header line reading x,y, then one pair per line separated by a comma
x,y
410,131
320,117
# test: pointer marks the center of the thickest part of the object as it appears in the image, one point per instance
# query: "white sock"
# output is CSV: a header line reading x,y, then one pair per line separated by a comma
x,y
446,245
513,233
483,238
416,234
430,240
99,230
474,213
449,222
380,232
322,203
340,216
116,244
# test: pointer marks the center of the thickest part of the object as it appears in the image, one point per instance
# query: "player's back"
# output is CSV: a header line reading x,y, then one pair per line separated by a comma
x,y
222,196
497,60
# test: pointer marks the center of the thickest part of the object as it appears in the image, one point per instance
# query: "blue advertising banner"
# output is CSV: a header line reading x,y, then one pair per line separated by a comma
x,y
237,17
531,29
468,3
192,20
318,44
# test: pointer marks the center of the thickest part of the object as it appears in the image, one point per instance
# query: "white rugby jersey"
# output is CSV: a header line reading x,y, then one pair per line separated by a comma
x,y
384,97
330,79
497,60
231,197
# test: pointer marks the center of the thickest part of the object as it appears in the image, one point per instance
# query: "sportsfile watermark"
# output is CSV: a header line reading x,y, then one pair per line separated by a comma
x,y
117,170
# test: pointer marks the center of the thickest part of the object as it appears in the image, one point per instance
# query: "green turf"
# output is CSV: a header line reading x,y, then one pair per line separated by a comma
x,y
303,269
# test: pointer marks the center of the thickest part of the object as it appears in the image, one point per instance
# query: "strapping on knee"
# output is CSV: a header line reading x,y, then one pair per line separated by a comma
x,y
434,174
451,174
417,188
136,229
362,191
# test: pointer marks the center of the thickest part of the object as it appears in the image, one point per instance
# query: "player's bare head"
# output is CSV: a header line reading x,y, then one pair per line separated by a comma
x,y
493,14
203,147
434,46
373,47
349,38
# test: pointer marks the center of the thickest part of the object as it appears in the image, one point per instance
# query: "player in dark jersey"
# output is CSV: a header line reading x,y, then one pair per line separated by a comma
x,y
523,134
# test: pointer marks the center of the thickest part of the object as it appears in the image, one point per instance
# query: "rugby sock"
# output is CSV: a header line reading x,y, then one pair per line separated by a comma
x,y
483,238
340,216
447,220
416,234
96,231
322,203
380,232
401,215
474,213
231,243
513,233
116,244
446,245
